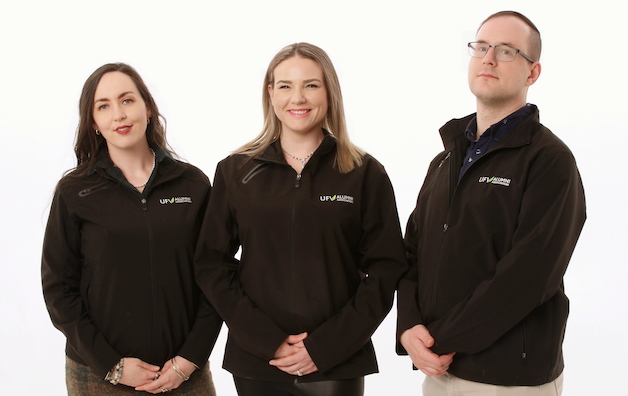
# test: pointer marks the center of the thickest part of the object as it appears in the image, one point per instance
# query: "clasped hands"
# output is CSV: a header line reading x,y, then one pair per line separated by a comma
x,y
293,358
153,379
417,341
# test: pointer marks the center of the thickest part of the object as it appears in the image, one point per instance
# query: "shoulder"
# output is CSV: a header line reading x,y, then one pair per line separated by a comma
x,y
371,170
236,165
192,171
549,147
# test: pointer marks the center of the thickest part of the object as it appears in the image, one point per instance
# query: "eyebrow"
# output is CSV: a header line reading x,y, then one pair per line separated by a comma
x,y
119,96
502,43
290,82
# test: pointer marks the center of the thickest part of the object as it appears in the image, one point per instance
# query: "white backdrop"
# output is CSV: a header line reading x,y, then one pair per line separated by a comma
x,y
402,67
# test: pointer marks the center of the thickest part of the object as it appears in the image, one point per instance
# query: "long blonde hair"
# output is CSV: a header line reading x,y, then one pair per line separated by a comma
x,y
348,156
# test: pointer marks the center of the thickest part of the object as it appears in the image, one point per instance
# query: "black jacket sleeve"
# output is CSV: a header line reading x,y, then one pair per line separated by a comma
x,y
62,287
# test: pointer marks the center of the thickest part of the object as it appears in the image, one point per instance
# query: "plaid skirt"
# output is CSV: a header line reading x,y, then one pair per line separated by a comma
x,y
81,381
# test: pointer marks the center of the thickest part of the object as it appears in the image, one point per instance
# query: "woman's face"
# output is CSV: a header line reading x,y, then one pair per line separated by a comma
x,y
299,96
120,113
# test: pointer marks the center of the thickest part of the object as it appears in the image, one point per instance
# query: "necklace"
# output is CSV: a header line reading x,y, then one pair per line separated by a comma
x,y
301,160
151,173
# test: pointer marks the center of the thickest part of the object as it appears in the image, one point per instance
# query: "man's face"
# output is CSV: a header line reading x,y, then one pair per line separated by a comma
x,y
499,83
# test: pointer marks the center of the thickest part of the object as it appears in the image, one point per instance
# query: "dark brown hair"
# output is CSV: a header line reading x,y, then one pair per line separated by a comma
x,y
88,143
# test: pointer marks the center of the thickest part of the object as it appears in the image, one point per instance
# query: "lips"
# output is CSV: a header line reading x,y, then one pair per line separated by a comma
x,y
299,112
123,129
487,75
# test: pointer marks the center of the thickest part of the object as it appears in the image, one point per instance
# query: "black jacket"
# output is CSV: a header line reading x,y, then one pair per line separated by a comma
x,y
117,266
487,255
321,253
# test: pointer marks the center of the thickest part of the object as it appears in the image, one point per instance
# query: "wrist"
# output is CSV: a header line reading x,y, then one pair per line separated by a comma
x,y
115,374
177,369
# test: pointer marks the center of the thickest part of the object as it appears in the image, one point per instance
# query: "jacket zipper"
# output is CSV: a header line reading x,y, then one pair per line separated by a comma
x,y
154,344
524,353
293,253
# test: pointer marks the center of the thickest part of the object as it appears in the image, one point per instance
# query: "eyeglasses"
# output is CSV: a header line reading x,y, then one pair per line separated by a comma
x,y
503,53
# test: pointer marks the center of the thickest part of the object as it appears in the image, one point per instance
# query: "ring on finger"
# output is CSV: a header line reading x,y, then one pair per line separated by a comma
x,y
164,390
299,373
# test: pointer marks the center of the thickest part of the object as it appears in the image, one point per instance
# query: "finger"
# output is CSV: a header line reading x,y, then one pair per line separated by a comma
x,y
423,334
293,339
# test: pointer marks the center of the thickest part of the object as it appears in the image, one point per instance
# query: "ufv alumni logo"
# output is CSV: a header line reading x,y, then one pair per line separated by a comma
x,y
175,200
502,181
337,198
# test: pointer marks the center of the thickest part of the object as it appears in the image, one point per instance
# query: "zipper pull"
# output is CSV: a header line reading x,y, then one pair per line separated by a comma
x,y
297,183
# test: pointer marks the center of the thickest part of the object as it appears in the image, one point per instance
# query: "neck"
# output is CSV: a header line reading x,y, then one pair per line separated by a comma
x,y
136,164
132,160
300,145
488,115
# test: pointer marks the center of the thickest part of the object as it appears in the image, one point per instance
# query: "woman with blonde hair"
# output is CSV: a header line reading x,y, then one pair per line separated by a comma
x,y
321,248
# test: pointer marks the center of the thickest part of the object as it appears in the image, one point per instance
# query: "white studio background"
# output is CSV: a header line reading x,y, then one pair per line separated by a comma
x,y
402,66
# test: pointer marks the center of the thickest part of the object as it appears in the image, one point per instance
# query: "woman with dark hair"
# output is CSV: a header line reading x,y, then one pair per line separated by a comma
x,y
117,264
321,248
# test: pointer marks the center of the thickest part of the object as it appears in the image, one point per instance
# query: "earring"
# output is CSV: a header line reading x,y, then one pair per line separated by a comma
x,y
148,120
97,131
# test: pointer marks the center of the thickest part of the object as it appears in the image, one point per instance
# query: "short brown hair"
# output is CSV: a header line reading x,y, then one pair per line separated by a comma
x,y
535,37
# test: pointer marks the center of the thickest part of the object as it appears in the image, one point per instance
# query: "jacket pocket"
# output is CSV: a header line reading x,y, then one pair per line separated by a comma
x,y
524,346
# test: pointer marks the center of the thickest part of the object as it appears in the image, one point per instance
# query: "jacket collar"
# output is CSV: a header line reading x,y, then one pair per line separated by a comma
x,y
274,153
452,133
164,164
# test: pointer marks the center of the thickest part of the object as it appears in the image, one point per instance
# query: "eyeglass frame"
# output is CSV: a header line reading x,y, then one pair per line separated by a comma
x,y
517,51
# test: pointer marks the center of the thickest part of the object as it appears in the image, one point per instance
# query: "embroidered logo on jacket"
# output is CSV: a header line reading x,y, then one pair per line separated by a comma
x,y
337,198
175,200
502,181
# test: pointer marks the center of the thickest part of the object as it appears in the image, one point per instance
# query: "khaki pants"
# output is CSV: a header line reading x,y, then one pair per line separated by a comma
x,y
449,385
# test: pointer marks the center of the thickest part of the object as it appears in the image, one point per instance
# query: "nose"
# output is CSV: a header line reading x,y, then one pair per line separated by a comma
x,y
119,113
298,96
489,57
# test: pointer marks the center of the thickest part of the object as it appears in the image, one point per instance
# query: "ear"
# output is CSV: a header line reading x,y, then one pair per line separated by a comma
x,y
271,92
535,72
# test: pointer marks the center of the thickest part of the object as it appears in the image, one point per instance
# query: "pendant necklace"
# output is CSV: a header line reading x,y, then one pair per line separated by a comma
x,y
301,160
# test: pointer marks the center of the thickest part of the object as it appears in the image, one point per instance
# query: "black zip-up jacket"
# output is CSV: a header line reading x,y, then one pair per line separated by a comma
x,y
321,253
487,255
117,266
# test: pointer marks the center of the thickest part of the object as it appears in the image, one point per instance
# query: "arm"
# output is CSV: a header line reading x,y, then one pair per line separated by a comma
x,y
61,283
413,338
408,313
216,271
550,219
203,335
381,257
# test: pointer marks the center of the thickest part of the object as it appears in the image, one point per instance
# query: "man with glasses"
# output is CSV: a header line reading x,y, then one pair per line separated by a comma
x,y
482,309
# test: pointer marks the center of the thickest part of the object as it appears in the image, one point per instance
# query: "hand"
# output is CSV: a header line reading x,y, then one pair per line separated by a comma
x,y
168,378
293,358
136,372
417,342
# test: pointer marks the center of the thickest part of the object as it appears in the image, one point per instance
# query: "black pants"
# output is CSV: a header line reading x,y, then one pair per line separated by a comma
x,y
347,387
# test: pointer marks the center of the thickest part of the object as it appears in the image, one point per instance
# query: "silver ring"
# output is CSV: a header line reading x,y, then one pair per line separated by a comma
x,y
299,373
164,390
